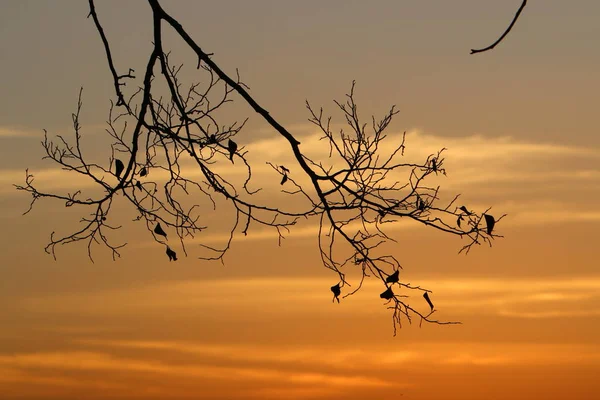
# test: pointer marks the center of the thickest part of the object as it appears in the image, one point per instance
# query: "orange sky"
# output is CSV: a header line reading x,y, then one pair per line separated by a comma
x,y
520,125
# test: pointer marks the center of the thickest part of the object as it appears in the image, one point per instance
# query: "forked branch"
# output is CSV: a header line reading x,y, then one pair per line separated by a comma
x,y
173,160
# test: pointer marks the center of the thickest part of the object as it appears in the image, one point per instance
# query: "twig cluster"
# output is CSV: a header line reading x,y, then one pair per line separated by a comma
x,y
158,140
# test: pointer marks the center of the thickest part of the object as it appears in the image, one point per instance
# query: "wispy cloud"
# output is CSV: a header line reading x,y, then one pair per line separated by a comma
x,y
93,361
14,132
369,357
525,298
470,158
342,358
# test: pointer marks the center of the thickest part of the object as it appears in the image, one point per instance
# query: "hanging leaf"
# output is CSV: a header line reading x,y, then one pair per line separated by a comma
x,y
426,296
119,167
171,254
458,220
336,292
394,277
232,147
212,139
490,222
434,165
464,209
420,204
388,294
159,230
143,171
284,179
138,185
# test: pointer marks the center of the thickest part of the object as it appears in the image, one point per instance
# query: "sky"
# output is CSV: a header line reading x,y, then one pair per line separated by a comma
x,y
520,126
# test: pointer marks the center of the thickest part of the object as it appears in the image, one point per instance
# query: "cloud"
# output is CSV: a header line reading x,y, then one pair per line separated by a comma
x,y
472,158
576,297
510,174
45,180
340,358
519,354
571,298
369,357
13,132
93,361
18,374
549,314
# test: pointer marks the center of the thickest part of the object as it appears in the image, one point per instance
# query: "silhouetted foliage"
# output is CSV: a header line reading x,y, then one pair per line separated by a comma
x,y
336,290
428,300
161,136
171,254
394,277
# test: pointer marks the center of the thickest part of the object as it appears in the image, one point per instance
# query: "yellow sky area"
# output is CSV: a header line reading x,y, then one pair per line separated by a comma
x,y
510,174
283,338
263,325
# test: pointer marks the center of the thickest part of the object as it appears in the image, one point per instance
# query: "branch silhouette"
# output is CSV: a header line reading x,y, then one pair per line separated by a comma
x,y
158,139
501,38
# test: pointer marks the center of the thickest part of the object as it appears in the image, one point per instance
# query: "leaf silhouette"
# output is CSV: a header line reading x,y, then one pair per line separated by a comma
x,y
138,185
458,220
388,294
336,292
490,222
159,230
420,204
143,171
171,254
284,169
394,277
434,165
426,296
464,209
284,179
119,167
212,139
232,147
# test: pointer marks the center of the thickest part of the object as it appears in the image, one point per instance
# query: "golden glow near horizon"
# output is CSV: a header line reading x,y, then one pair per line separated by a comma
x,y
520,126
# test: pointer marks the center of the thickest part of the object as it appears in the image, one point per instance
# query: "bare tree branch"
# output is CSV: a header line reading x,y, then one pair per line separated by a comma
x,y
167,145
490,47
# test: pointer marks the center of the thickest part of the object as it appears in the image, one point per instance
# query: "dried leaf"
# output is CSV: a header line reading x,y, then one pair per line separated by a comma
x,y
159,230
388,294
171,254
232,147
464,209
336,292
394,277
490,222
119,167
426,296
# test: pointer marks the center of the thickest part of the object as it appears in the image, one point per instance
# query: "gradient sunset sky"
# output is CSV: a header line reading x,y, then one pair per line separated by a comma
x,y
521,127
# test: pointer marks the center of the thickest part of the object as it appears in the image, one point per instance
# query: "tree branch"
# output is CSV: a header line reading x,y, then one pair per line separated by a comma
x,y
490,47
